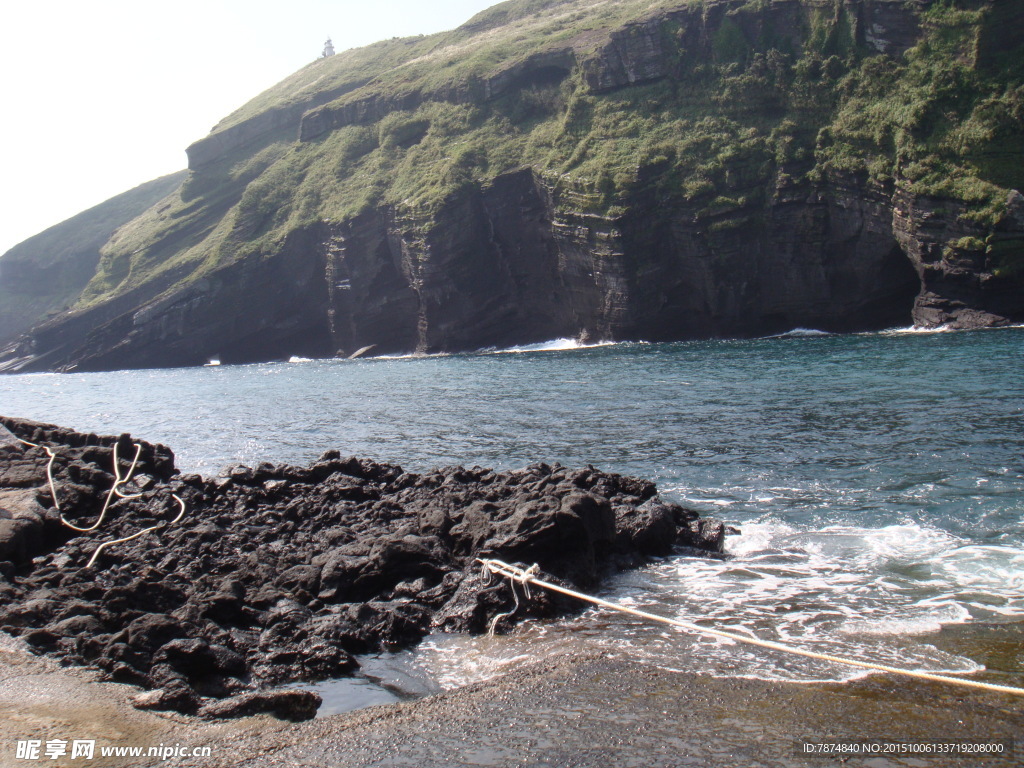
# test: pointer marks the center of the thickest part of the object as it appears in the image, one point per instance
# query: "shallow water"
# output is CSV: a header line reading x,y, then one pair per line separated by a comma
x,y
877,479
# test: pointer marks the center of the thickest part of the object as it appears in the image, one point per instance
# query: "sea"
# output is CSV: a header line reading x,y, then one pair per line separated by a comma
x,y
875,481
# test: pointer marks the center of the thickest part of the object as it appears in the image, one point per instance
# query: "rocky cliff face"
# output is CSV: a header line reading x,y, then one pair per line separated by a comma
x,y
46,273
709,173
958,284
500,265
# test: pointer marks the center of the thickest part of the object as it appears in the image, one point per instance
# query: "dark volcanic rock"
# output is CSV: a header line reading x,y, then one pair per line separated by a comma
x,y
279,574
651,527
287,705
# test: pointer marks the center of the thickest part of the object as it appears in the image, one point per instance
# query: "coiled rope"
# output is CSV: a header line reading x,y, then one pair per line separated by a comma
x,y
524,577
118,481
115,490
533,570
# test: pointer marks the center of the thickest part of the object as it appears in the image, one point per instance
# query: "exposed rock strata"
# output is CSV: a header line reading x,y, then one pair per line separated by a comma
x,y
281,573
509,263
958,287
775,243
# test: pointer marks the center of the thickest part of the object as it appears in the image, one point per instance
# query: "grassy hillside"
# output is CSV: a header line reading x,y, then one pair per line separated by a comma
x,y
748,99
46,273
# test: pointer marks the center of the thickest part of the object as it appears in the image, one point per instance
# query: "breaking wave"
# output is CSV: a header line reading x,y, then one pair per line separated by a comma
x,y
554,345
867,593
799,333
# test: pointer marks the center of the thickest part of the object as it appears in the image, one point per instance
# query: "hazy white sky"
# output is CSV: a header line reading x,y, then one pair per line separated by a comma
x,y
101,96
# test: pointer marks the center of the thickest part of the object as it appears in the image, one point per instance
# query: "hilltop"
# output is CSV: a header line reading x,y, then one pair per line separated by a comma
x,y
624,170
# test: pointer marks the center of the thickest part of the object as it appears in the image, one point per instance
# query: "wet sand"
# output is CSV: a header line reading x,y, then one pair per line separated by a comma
x,y
588,711
595,712
43,701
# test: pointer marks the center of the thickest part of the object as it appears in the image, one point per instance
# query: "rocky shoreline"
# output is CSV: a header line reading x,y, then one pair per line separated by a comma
x,y
278,573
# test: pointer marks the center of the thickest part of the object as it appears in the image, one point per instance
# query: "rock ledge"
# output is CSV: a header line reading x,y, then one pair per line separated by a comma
x,y
279,573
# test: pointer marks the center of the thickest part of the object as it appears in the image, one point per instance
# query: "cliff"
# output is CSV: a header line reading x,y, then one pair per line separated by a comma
x,y
618,170
46,274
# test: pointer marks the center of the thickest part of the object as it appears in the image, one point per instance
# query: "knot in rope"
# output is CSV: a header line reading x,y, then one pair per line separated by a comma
x,y
515,575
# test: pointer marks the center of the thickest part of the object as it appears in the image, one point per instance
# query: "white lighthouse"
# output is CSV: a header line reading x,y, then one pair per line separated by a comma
x,y
328,49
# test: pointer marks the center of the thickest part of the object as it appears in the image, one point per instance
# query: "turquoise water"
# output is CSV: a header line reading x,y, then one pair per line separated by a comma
x,y
878,480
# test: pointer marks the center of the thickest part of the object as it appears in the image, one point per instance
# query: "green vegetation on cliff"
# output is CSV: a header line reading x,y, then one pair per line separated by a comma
x,y
722,103
695,167
46,274
935,120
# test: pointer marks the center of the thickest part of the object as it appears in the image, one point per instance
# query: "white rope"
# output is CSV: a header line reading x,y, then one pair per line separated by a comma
x,y
161,524
533,570
114,491
118,481
526,576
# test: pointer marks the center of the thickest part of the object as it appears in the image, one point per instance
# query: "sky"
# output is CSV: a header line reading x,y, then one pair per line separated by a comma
x,y
102,96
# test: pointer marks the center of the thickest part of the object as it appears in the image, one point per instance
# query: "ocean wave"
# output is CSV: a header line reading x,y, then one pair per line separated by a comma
x,y
858,592
554,345
799,333
926,619
843,590
922,330
753,593
407,356
917,329
993,569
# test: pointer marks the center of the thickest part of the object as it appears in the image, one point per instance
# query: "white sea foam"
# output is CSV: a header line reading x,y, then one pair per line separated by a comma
x,y
297,359
993,570
799,333
913,620
924,330
866,593
554,345
918,329
407,356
